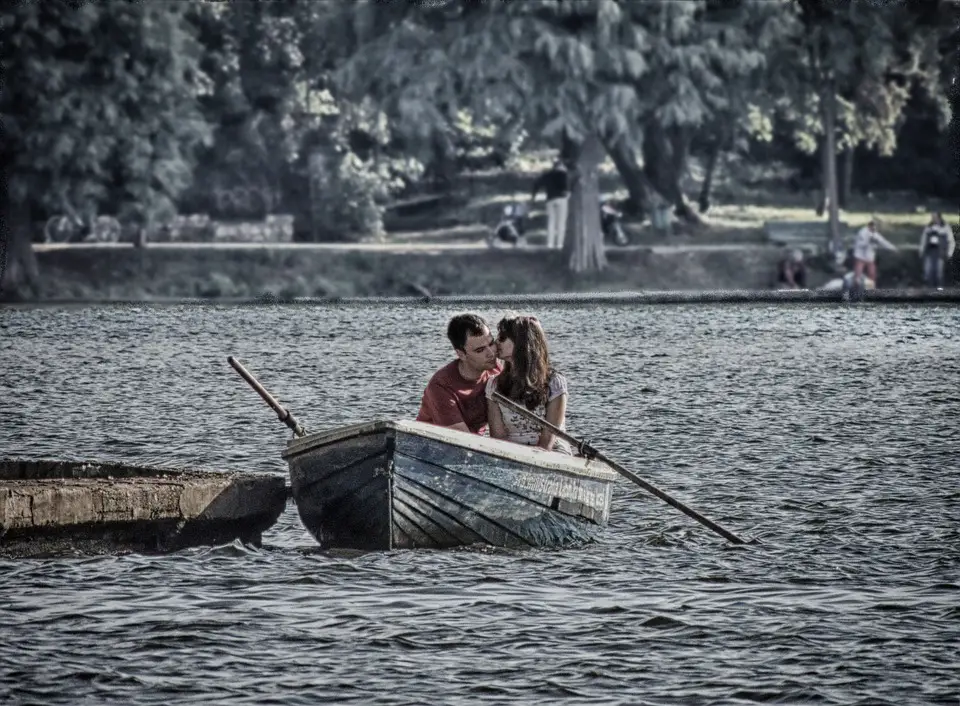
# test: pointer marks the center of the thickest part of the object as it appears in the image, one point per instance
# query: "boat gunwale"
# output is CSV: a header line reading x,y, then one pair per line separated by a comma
x,y
575,466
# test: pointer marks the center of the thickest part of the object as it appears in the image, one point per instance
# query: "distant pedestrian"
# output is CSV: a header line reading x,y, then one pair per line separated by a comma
x,y
936,248
865,245
792,271
556,184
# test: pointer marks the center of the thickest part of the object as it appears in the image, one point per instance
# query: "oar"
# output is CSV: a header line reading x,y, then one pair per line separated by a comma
x,y
587,450
282,413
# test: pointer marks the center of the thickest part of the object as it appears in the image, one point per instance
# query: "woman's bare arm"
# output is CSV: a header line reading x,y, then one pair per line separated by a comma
x,y
556,412
498,430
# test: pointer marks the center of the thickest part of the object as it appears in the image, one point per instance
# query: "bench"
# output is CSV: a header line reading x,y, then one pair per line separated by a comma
x,y
811,236
416,205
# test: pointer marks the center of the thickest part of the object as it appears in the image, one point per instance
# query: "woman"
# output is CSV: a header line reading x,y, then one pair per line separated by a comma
x,y
865,245
529,380
936,248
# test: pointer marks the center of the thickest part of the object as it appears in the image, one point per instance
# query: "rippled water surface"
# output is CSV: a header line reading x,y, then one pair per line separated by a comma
x,y
830,434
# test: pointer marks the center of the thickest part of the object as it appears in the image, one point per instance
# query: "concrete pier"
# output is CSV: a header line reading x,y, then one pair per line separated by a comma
x,y
50,508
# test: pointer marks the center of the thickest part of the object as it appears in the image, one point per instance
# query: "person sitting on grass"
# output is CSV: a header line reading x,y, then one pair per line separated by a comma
x,y
792,271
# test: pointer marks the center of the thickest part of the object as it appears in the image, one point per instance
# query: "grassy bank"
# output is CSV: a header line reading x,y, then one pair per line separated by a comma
x,y
126,273
456,224
744,198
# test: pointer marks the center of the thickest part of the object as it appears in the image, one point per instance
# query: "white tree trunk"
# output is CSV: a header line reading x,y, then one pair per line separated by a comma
x,y
585,236
829,98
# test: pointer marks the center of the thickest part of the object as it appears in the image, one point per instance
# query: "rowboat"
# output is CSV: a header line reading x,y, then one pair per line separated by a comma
x,y
397,484
392,484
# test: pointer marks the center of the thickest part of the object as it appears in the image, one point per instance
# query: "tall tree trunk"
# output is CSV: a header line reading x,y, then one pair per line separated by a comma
x,y
664,159
815,50
569,149
19,274
820,204
713,158
638,186
585,239
444,166
829,103
846,178
680,139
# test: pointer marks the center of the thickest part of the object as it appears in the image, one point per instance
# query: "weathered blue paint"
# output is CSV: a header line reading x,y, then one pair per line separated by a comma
x,y
406,485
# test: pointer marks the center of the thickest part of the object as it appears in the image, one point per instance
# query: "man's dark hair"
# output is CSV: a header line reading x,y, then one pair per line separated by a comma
x,y
464,325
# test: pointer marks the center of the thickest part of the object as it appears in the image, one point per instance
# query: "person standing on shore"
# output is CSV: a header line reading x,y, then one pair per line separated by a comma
x,y
455,396
865,245
936,248
556,184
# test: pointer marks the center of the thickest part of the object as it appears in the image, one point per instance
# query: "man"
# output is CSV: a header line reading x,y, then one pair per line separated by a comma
x,y
455,397
556,183
865,251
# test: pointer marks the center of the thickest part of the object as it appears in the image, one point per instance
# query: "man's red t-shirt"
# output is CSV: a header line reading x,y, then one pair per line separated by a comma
x,y
450,398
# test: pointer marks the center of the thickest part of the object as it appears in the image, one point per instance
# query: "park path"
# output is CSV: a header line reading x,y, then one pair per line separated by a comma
x,y
479,245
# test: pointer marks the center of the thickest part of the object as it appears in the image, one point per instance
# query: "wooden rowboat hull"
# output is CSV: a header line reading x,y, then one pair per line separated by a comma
x,y
405,485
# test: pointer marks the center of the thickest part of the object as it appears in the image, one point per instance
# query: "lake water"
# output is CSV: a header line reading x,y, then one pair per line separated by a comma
x,y
828,433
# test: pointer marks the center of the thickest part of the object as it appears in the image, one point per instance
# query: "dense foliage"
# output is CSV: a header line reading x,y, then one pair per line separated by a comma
x,y
329,109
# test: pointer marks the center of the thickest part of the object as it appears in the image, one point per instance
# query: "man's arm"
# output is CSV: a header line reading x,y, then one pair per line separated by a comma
x,y
439,407
537,185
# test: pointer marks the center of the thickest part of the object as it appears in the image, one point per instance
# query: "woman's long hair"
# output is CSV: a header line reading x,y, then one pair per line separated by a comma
x,y
526,378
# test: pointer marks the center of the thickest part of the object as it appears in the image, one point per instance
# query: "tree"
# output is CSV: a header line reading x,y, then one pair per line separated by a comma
x,y
100,110
565,68
846,74
706,61
283,130
267,104
739,30
251,53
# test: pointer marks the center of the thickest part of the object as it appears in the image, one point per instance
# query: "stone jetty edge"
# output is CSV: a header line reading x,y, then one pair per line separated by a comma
x,y
725,296
655,274
53,507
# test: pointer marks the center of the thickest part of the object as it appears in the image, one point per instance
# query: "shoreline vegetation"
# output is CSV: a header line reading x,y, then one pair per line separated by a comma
x,y
84,274
420,122
441,251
